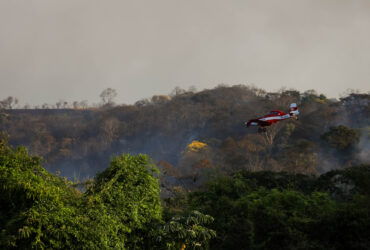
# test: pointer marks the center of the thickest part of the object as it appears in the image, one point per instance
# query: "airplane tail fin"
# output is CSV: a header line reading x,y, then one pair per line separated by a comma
x,y
293,110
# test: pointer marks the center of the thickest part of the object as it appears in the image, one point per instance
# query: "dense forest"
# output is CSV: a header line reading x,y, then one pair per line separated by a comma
x,y
121,209
188,133
84,178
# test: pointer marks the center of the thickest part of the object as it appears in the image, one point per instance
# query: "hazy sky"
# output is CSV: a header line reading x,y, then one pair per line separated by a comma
x,y
73,49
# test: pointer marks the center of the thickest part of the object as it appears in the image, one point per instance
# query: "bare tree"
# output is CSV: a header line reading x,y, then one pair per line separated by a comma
x,y
252,147
65,104
83,104
271,133
143,102
8,103
192,89
45,106
177,91
59,104
75,105
110,129
107,96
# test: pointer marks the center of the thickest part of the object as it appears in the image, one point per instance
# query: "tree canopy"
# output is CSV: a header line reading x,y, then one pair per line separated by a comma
x,y
120,209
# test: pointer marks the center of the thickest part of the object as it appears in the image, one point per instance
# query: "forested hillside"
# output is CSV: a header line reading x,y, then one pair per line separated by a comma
x,y
189,133
304,184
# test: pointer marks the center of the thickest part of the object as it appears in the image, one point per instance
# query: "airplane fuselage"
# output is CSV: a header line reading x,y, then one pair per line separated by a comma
x,y
274,116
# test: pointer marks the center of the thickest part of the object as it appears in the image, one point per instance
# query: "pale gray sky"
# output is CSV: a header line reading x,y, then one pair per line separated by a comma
x,y
73,49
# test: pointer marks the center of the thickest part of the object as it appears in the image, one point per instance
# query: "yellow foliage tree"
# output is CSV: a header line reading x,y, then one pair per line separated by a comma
x,y
196,146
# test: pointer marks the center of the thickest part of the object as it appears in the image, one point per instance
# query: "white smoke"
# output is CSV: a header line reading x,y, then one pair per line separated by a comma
x,y
364,146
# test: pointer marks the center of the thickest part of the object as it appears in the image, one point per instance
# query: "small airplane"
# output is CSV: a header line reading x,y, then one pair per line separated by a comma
x,y
273,117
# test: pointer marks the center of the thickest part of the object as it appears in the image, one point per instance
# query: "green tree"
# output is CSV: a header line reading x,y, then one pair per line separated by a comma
x,y
186,232
129,190
267,210
38,209
341,137
41,210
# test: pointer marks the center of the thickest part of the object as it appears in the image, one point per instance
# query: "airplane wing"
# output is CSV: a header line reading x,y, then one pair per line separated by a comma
x,y
260,123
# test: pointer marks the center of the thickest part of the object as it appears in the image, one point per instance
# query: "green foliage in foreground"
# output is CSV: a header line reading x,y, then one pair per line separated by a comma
x,y
187,231
267,210
128,193
120,210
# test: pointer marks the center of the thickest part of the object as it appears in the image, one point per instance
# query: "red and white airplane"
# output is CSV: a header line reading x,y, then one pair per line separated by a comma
x,y
273,117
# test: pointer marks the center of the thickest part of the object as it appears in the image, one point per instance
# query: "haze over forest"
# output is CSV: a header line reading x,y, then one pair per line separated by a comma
x,y
122,124
79,140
